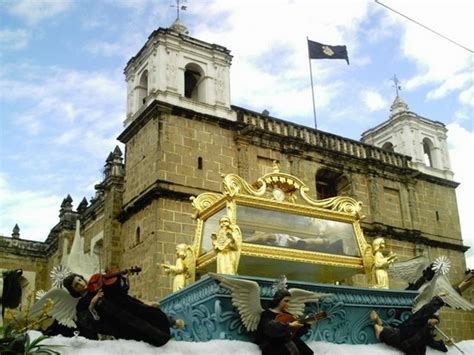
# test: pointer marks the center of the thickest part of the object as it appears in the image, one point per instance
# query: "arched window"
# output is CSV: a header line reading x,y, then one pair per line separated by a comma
x,y
428,152
193,79
142,88
330,183
388,146
137,235
200,163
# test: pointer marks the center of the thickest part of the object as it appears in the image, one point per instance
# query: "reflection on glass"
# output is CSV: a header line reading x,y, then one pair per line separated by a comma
x,y
260,226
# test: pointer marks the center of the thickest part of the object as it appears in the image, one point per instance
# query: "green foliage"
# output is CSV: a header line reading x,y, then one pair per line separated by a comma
x,y
35,347
15,343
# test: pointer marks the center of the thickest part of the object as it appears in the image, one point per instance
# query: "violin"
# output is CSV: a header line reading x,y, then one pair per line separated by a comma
x,y
97,281
287,318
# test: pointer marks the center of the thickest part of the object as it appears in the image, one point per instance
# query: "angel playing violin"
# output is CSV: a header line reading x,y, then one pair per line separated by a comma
x,y
278,328
108,310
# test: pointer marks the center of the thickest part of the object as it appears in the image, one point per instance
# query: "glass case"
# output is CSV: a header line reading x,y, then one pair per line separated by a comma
x,y
281,230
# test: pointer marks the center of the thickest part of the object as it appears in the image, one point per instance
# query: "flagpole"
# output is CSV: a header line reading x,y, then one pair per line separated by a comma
x,y
312,87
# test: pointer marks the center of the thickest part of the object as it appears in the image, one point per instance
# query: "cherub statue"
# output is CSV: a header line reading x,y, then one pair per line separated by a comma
x,y
184,269
431,280
381,263
227,243
278,328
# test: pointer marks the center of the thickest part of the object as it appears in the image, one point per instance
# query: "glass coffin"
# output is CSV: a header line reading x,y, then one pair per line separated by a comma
x,y
276,228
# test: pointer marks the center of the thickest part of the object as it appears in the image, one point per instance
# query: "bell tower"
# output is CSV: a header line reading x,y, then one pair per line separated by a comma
x,y
407,133
175,68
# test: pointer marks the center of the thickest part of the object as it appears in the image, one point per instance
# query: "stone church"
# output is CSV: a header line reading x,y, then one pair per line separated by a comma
x,y
181,133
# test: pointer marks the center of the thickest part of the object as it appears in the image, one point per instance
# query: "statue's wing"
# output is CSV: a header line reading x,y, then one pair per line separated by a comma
x,y
409,270
245,297
190,263
300,297
438,286
368,260
63,309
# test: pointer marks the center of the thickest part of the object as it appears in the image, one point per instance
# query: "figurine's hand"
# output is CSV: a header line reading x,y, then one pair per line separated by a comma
x,y
166,267
450,342
295,324
96,298
179,323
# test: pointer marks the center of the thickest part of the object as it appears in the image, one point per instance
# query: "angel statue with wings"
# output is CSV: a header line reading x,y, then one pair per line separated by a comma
x,y
227,241
380,263
415,333
278,328
108,310
184,268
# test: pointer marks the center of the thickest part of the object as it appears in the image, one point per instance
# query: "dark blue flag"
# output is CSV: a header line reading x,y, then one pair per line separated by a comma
x,y
323,51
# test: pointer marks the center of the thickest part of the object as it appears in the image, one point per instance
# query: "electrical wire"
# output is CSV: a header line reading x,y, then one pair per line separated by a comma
x,y
429,29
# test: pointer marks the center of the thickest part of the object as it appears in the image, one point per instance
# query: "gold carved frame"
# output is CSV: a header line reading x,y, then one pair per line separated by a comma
x,y
281,193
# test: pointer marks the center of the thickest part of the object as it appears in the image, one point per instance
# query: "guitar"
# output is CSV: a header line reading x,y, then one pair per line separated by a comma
x,y
98,280
287,318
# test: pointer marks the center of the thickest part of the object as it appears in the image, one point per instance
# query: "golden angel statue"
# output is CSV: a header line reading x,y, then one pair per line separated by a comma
x,y
377,264
227,243
184,269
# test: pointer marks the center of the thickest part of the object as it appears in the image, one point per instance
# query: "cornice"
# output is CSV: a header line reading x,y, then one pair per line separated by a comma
x,y
408,235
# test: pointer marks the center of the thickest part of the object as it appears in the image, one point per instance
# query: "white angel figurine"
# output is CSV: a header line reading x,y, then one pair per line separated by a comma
x,y
440,284
431,280
278,328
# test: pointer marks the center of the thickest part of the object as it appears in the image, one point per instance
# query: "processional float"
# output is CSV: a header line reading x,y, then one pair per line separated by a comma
x,y
272,227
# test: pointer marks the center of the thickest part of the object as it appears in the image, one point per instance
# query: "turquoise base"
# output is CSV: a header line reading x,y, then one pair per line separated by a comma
x,y
209,314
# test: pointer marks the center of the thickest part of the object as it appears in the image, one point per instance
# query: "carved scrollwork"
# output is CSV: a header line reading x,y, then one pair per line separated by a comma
x,y
343,204
204,200
234,184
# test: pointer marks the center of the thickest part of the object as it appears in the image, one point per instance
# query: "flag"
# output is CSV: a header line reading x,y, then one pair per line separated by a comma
x,y
323,51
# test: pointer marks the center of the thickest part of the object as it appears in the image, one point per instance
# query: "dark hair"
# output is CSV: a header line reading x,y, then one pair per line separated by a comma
x,y
67,283
278,296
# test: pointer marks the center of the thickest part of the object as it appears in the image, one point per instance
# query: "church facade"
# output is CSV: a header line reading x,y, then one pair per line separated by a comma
x,y
181,133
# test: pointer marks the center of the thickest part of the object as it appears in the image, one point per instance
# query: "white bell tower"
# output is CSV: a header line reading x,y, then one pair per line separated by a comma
x,y
180,70
407,133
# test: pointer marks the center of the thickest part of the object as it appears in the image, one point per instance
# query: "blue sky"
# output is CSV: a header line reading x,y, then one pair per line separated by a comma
x,y
62,89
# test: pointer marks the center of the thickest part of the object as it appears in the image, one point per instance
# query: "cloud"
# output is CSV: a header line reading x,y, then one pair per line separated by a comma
x,y
439,61
374,101
281,50
466,97
461,146
13,39
452,83
36,212
64,97
34,11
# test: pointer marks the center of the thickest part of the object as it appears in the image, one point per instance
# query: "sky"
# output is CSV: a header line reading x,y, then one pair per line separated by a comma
x,y
63,92
82,346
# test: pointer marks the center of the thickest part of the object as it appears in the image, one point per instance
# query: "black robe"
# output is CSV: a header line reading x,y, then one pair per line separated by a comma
x,y
414,334
123,317
275,338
